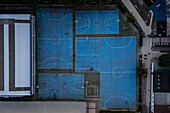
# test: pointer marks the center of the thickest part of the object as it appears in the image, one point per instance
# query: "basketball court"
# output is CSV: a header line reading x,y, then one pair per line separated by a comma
x,y
118,72
68,86
97,22
87,54
54,38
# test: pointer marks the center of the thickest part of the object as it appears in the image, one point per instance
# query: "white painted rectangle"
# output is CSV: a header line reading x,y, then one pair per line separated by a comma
x,y
22,55
6,57
15,16
14,93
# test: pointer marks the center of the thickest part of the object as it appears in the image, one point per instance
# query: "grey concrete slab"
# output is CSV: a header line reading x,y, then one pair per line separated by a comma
x,y
42,107
162,98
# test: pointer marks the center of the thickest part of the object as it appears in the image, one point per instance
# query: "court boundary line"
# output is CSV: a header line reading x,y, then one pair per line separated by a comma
x,y
87,40
42,64
119,72
45,17
105,23
78,81
88,55
102,35
46,87
119,97
86,70
120,46
53,39
84,25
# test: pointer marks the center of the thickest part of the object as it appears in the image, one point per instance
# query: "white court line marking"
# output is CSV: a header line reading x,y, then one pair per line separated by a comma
x,y
84,25
117,97
112,18
105,22
87,40
112,26
61,87
58,39
118,47
81,18
53,59
108,24
54,19
76,90
119,72
87,54
87,69
53,39
108,28
108,20
46,90
98,21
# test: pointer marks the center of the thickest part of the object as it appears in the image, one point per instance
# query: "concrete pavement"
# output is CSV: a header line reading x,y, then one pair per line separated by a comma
x,y
147,57
43,107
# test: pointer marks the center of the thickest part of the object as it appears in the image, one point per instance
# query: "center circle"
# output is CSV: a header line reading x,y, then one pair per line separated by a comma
x,y
97,22
55,39
117,72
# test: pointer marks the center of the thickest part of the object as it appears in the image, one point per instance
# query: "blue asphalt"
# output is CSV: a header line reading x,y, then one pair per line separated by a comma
x,y
159,10
87,54
97,22
54,39
68,86
118,72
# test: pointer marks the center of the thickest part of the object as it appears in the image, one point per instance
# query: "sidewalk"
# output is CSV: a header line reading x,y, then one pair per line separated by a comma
x,y
147,29
147,56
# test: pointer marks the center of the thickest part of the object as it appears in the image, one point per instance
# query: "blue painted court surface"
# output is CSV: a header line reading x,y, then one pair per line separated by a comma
x,y
97,22
54,38
69,86
118,72
113,57
87,54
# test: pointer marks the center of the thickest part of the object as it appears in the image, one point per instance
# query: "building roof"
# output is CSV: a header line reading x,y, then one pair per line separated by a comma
x,y
43,107
161,109
162,98
159,10
15,45
160,41
161,81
